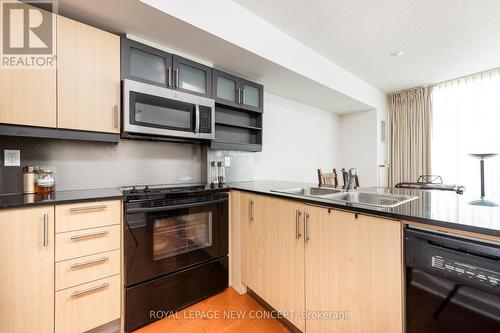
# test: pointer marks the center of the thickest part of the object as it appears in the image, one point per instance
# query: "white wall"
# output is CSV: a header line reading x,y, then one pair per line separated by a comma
x,y
359,145
298,139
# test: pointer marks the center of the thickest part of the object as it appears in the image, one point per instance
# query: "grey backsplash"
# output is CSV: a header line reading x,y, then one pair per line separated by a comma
x,y
242,164
85,165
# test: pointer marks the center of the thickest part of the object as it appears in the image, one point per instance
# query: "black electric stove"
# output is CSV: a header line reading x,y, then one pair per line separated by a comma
x,y
176,246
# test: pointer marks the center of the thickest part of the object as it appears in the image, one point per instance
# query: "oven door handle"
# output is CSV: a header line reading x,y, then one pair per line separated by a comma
x,y
173,207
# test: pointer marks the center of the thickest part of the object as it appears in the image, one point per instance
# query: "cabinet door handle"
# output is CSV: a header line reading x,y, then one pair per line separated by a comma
x,y
169,76
243,93
239,95
297,224
306,227
250,215
45,230
94,234
89,290
115,116
89,263
86,209
176,74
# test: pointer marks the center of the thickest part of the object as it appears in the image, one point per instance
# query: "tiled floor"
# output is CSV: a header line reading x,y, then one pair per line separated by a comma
x,y
214,315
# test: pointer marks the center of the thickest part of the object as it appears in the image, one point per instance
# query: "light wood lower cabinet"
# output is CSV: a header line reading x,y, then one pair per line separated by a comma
x,y
73,272
273,253
255,243
354,271
87,306
80,243
65,282
286,249
309,262
27,270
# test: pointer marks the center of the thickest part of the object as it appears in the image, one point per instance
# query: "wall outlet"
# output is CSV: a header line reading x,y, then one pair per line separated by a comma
x,y
12,157
227,161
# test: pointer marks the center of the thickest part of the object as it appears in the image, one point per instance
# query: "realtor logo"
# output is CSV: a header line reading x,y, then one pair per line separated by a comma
x,y
27,34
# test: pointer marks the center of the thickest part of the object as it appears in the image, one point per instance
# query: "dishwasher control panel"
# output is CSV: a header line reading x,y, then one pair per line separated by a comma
x,y
465,270
465,262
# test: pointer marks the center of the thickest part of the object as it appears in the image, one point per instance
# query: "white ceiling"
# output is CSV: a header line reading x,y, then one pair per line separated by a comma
x,y
142,21
442,39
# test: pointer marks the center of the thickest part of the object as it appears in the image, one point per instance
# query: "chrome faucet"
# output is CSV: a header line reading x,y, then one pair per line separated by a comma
x,y
351,175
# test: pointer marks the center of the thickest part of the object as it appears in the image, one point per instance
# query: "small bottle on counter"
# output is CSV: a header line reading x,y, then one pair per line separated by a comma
x,y
45,181
222,174
29,179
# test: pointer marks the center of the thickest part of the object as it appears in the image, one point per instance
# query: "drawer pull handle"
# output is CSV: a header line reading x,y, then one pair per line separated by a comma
x,y
86,209
94,234
89,290
89,263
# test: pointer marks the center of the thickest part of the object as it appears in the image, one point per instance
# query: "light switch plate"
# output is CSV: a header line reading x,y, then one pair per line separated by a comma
x,y
12,157
227,161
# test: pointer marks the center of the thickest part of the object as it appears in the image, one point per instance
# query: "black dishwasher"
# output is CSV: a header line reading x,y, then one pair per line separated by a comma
x,y
452,284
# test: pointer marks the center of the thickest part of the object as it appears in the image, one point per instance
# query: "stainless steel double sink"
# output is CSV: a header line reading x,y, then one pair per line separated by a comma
x,y
383,200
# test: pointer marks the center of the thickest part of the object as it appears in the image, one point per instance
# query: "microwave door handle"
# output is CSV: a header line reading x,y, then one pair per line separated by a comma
x,y
173,207
197,119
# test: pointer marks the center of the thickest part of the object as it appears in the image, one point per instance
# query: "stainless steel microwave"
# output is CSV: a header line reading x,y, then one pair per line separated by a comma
x,y
150,111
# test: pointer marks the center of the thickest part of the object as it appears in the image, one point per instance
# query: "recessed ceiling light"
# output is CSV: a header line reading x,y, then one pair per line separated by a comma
x,y
397,53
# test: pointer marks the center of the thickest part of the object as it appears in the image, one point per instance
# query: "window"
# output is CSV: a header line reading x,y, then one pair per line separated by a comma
x,y
466,120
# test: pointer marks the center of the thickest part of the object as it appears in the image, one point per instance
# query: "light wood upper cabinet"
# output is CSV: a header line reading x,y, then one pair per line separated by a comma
x,y
28,96
354,265
27,270
88,78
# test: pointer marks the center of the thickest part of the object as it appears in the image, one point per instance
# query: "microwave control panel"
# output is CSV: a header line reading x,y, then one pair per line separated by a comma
x,y
205,119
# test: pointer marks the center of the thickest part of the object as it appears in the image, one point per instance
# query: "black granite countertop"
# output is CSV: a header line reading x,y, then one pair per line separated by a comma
x,y
58,197
441,208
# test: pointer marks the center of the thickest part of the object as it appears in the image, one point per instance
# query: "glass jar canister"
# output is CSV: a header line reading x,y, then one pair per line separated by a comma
x,y
45,181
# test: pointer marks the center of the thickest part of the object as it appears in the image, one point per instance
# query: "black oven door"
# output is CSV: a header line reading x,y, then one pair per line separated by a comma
x,y
170,235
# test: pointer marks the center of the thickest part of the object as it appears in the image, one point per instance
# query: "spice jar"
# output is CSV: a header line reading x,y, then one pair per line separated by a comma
x,y
29,179
45,181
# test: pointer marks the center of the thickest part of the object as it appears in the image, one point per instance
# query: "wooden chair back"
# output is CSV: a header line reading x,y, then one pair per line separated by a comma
x,y
328,178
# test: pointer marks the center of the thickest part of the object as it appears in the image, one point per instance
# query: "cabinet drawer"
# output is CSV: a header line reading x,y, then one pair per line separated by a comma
x,y
86,242
73,272
87,215
87,306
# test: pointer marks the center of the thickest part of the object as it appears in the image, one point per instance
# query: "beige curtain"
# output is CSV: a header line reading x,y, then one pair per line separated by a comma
x,y
410,114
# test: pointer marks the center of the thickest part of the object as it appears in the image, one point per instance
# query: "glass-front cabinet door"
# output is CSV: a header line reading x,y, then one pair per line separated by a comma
x,y
226,88
251,96
145,64
192,77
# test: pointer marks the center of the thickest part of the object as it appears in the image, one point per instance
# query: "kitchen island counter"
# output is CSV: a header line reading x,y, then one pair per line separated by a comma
x,y
437,208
